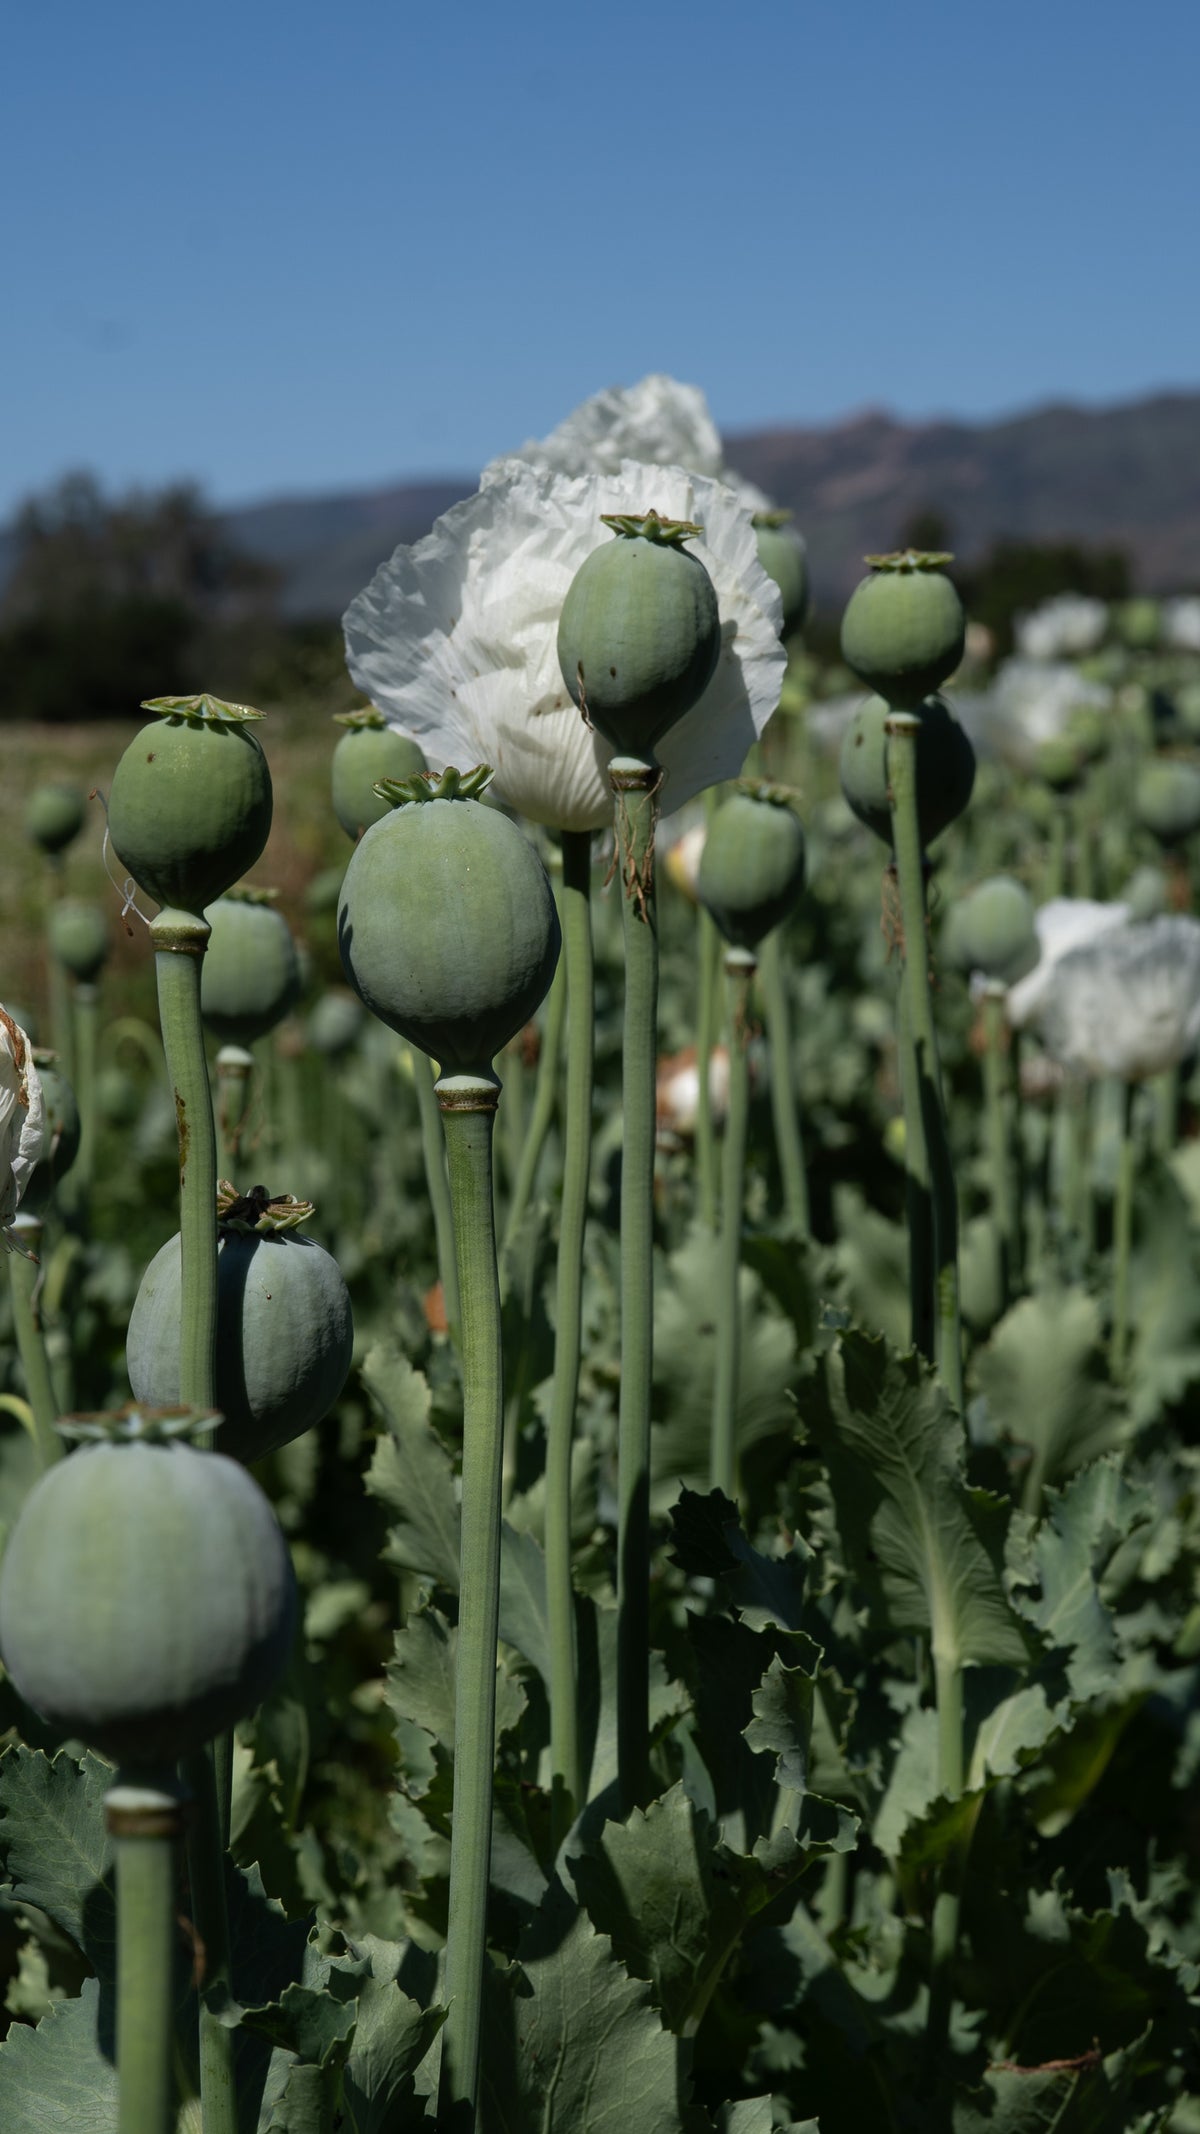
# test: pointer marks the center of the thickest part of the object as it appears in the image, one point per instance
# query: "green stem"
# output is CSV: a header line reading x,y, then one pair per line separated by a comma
x,y
1166,1110
234,1068
918,1192
433,1148
948,1689
576,967
739,971
87,1004
999,1141
1056,858
62,1022
545,1097
468,1104
206,1842
25,1278
708,951
1076,1199
635,788
785,1110
1123,1235
180,939
902,729
144,1822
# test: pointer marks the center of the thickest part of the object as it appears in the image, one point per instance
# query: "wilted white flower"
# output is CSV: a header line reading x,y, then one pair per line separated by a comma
x,y
1030,702
1065,628
1064,924
1181,624
1129,1003
658,421
455,638
22,1118
677,1091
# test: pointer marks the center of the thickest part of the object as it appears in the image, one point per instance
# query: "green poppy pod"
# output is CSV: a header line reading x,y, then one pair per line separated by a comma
x,y
784,557
446,925
993,930
250,971
639,634
79,937
146,1595
945,768
54,816
752,867
369,750
904,629
60,1140
1166,799
285,1330
334,1023
190,806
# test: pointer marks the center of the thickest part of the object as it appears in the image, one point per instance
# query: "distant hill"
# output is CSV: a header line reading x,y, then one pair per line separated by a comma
x,y
1125,476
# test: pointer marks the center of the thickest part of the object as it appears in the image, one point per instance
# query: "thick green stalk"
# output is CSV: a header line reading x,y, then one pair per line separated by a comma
x,y
999,1140
708,951
545,1097
918,1191
234,1068
144,1822
468,1104
902,729
25,1276
785,1110
1123,1235
576,968
739,971
180,939
87,1008
433,1148
635,788
1166,1110
62,1021
948,1680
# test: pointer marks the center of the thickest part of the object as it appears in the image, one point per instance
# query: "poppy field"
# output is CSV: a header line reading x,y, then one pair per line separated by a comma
x,y
599,1462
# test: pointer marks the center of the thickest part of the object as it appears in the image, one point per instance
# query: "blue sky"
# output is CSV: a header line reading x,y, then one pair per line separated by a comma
x,y
292,248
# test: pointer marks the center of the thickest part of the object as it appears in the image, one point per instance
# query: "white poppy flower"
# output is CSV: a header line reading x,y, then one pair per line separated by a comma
x,y
22,1118
1030,702
455,639
658,421
1065,628
1181,623
1129,1003
1064,924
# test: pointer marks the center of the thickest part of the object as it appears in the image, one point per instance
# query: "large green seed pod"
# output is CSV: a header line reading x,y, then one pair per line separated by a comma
x,y
60,1139
369,750
54,816
904,629
446,924
752,867
250,973
190,806
285,1328
784,557
639,634
945,768
146,1594
79,937
1166,799
993,930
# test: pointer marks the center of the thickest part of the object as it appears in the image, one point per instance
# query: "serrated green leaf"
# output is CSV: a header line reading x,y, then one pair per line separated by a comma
x,y
926,1549
709,1543
1044,1377
1059,1571
314,2023
571,2041
60,2075
1089,2095
422,1679
54,1847
755,2115
391,2038
1164,1295
411,1471
782,1722
307,2103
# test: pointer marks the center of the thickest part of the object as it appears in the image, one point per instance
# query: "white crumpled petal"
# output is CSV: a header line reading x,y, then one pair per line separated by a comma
x,y
22,1117
1181,623
455,638
658,421
1129,1003
1064,924
1032,701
